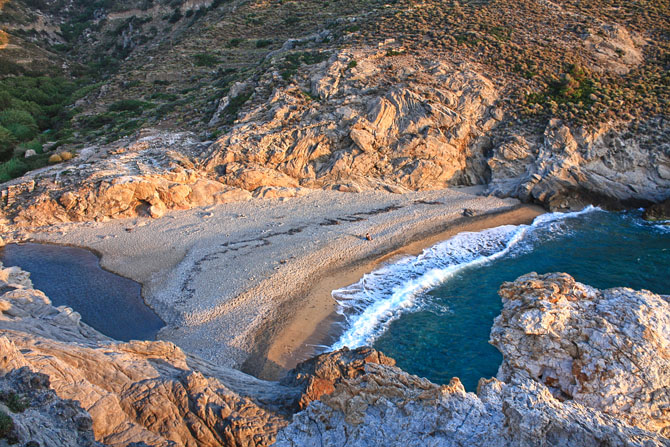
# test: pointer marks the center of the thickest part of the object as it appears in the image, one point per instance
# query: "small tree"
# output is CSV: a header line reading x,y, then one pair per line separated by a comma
x,y
7,144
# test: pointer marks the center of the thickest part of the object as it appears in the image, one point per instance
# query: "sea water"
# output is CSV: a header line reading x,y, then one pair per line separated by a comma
x,y
73,277
433,313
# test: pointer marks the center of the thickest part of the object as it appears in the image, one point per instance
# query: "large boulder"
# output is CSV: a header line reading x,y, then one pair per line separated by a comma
x,y
608,350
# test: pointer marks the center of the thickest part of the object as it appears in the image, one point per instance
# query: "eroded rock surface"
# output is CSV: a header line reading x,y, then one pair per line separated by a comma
x,y
140,391
608,350
363,118
39,416
582,367
143,177
567,167
387,407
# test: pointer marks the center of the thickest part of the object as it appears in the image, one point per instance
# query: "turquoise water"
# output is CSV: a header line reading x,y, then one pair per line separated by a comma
x,y
73,277
440,305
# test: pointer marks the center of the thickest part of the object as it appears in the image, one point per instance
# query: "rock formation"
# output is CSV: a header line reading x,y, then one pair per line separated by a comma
x,y
608,350
39,416
565,167
658,211
582,367
366,118
149,392
147,177
387,407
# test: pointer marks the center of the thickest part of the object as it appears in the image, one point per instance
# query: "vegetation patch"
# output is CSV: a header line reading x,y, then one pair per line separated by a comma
x,y
205,60
15,402
32,109
130,105
293,61
234,107
6,426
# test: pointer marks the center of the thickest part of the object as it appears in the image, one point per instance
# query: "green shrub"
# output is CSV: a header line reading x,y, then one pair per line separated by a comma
x,y
20,123
233,43
263,43
6,425
129,105
235,105
16,167
205,60
16,403
93,122
293,61
7,143
176,16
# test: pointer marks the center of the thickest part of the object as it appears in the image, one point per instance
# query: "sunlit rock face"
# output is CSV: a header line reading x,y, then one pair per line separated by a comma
x,y
607,350
582,367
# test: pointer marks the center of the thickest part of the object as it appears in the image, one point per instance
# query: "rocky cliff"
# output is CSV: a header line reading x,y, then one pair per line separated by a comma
x,y
581,368
358,95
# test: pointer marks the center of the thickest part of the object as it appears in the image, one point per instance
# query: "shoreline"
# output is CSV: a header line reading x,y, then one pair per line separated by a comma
x,y
226,278
314,322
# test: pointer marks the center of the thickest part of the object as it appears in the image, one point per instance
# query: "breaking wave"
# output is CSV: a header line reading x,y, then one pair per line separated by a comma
x,y
380,297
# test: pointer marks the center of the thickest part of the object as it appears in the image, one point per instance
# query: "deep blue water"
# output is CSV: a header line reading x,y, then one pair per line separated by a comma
x,y
73,277
440,305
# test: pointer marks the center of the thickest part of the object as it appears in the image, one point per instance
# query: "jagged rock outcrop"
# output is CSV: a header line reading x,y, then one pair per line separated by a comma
x,y
658,211
565,167
140,391
147,176
379,118
42,418
581,368
387,407
608,350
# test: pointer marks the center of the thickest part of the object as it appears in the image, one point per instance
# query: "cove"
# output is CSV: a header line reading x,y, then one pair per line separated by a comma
x,y
73,277
433,313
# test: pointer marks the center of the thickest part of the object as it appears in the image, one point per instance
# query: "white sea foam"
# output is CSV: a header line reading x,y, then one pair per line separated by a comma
x,y
380,297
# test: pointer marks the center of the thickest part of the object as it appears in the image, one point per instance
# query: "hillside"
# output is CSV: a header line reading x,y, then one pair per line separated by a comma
x,y
554,102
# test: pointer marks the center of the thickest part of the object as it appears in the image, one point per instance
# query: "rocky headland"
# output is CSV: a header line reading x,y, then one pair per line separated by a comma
x,y
581,367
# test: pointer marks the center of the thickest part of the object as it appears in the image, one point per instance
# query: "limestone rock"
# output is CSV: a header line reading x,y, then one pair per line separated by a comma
x,y
47,420
416,132
141,391
140,178
572,167
387,407
607,350
612,48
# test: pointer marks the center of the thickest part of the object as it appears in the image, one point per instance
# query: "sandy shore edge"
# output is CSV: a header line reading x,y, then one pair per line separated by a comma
x,y
310,321
228,279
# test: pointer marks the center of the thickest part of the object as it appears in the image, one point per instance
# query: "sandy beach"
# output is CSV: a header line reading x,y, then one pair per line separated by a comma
x,y
247,284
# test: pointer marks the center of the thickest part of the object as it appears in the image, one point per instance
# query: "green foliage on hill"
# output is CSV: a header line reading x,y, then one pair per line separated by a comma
x,y
29,106
34,110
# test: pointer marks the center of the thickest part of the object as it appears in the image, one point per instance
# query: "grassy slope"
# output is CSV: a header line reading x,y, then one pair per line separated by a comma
x,y
175,64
